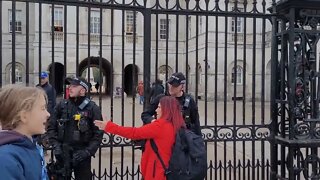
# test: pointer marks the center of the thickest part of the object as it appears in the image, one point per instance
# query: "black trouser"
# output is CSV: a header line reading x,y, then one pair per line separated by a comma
x,y
83,170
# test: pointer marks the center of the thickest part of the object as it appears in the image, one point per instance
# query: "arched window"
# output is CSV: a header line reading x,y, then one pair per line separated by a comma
x,y
18,75
237,75
19,70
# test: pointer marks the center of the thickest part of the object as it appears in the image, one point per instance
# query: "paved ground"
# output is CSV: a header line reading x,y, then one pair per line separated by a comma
x,y
123,111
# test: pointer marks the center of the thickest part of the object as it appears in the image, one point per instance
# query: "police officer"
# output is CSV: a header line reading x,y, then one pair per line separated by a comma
x,y
71,131
189,107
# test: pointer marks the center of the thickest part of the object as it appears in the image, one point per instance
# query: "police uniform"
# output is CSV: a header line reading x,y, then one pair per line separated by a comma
x,y
187,102
73,135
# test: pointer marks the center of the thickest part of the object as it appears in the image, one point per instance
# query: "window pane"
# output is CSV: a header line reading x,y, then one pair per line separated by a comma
x,y
237,26
164,28
130,22
18,22
239,73
95,22
58,19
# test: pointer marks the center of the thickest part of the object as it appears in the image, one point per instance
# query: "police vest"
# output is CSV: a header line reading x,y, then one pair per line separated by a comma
x,y
74,126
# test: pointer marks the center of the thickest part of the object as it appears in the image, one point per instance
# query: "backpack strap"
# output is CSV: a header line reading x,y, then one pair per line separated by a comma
x,y
155,149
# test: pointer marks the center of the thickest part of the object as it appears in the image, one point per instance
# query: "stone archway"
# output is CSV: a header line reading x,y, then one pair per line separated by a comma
x,y
130,79
56,76
19,72
106,69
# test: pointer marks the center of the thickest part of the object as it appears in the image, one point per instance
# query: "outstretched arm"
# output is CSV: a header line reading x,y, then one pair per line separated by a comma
x,y
148,131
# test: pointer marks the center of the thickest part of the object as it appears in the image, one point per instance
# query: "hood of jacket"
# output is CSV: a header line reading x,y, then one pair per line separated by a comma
x,y
13,137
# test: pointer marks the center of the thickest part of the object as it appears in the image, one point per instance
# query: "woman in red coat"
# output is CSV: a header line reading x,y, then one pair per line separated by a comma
x,y
162,131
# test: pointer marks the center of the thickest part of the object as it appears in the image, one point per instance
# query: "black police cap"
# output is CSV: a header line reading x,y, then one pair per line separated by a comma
x,y
78,81
176,79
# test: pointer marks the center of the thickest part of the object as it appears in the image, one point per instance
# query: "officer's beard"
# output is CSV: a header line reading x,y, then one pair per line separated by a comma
x,y
77,100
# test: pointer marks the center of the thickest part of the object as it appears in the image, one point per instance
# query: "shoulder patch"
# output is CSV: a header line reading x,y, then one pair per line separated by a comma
x,y
187,100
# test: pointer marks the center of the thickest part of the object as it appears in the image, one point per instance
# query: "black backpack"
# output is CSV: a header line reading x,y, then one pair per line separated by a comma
x,y
189,157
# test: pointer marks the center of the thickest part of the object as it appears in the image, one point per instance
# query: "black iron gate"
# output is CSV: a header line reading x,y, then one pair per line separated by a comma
x,y
295,92
223,47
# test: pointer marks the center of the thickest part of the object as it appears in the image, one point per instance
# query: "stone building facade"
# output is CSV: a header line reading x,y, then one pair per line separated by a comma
x,y
229,62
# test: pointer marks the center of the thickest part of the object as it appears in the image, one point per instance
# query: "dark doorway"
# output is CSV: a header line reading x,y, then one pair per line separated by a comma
x,y
130,79
106,71
58,73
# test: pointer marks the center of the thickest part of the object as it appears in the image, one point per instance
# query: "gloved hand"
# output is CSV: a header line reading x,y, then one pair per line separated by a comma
x,y
79,156
58,154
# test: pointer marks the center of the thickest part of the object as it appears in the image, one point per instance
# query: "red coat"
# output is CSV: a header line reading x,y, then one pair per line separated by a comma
x,y
163,134
140,89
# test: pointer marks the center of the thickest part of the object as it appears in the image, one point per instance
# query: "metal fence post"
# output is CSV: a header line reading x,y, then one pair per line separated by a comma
x,y
146,54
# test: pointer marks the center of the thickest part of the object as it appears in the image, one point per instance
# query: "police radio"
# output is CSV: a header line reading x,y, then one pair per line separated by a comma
x,y
82,123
